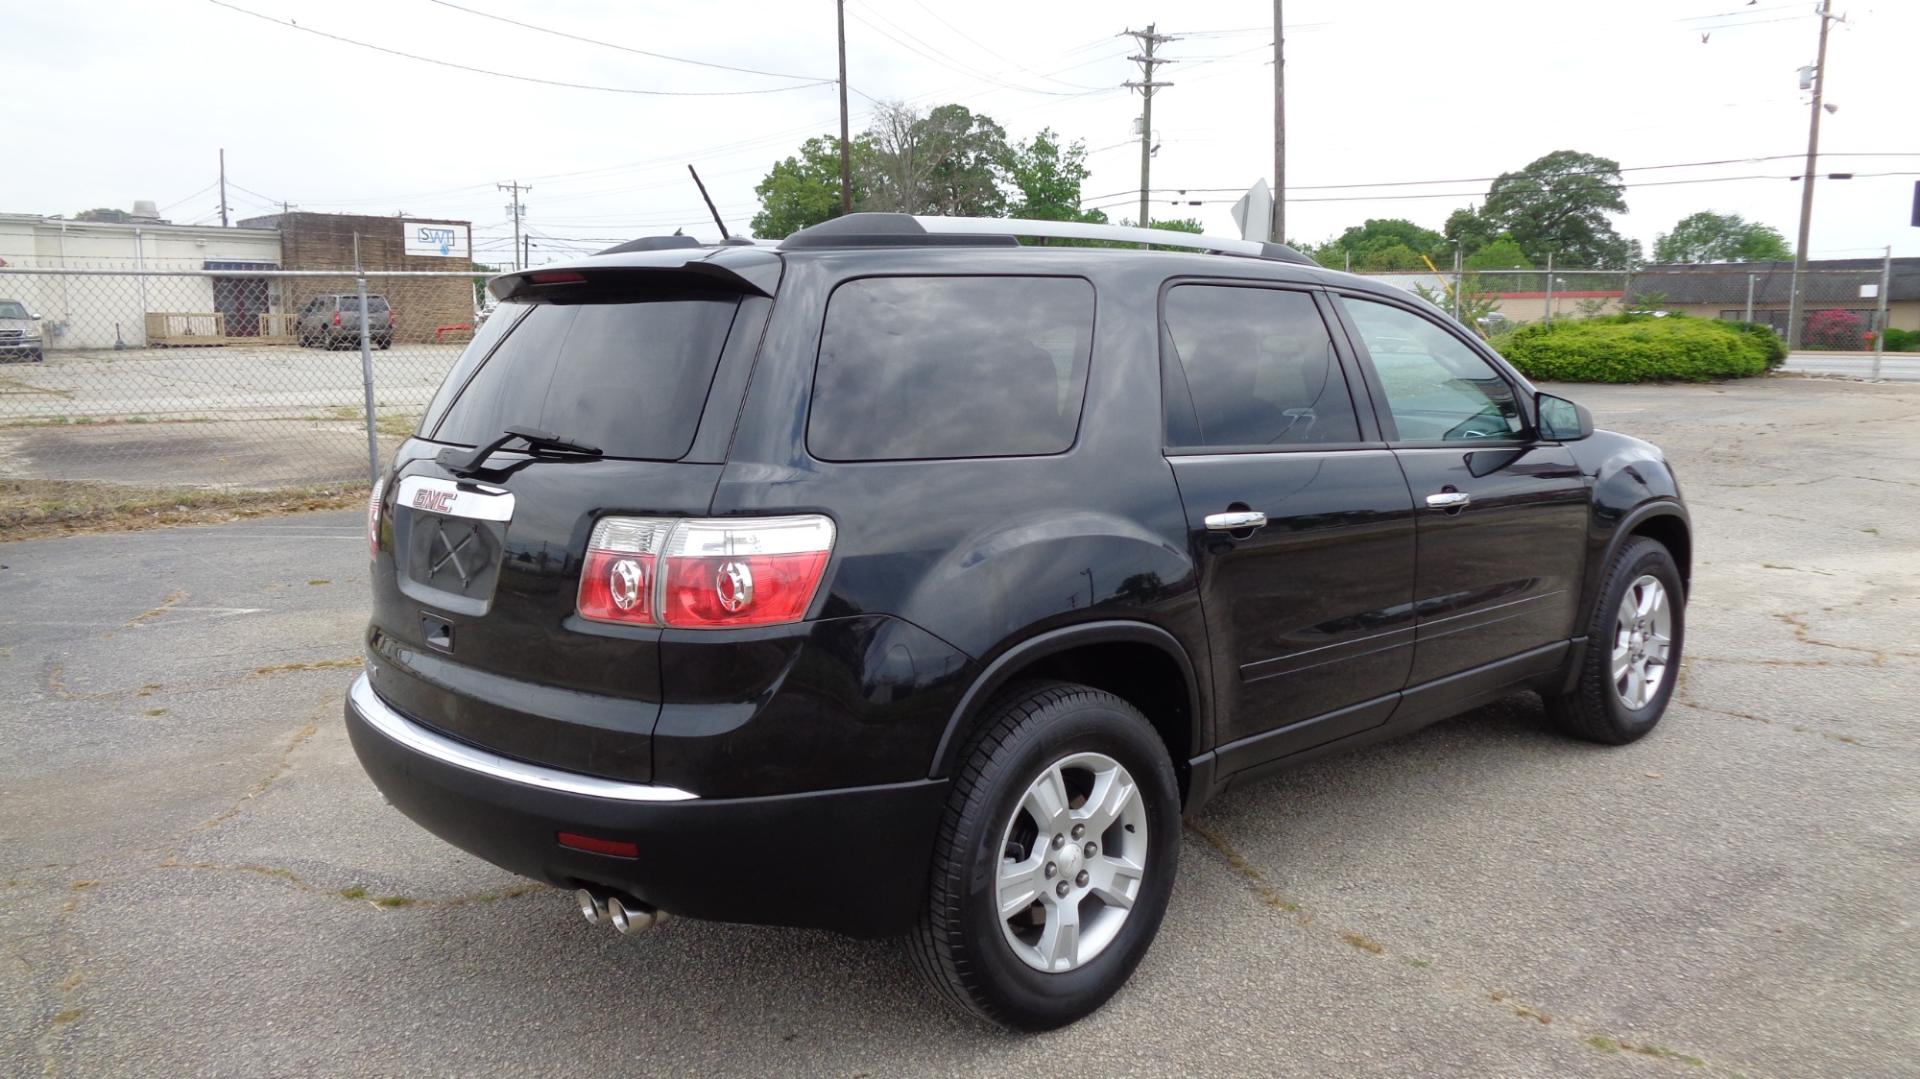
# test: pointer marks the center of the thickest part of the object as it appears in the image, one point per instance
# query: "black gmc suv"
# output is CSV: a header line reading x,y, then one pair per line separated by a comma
x,y
905,579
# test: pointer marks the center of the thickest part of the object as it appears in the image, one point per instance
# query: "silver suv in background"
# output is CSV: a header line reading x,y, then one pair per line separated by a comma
x,y
333,321
20,337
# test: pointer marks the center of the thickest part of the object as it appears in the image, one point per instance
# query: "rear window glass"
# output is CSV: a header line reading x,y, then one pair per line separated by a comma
x,y
630,378
375,304
920,367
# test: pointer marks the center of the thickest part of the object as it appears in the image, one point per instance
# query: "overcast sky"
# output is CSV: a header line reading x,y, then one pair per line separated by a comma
x,y
116,100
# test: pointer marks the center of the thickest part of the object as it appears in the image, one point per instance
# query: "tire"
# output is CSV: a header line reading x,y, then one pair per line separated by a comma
x,y
385,342
973,957
37,356
1598,708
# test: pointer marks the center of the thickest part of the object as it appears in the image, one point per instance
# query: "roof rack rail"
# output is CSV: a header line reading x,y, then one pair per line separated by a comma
x,y
906,230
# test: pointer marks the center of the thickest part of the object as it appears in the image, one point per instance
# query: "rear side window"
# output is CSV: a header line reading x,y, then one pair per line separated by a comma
x,y
922,367
630,378
1260,369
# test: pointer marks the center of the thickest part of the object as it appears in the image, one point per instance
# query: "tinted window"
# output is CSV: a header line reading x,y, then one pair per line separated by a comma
x,y
917,367
375,304
1260,368
630,378
1437,388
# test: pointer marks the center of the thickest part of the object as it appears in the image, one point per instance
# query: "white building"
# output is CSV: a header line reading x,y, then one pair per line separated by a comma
x,y
96,311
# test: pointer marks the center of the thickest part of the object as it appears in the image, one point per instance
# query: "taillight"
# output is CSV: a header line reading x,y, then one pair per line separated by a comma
x,y
336,318
373,518
709,573
617,583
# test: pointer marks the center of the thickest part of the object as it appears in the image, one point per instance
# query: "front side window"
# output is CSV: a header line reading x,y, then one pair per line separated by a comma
x,y
1437,389
1260,368
912,368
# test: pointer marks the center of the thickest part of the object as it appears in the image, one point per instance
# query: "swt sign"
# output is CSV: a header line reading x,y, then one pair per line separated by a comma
x,y
437,239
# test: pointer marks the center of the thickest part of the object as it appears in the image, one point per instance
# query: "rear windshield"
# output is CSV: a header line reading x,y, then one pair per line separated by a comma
x,y
920,367
375,304
630,378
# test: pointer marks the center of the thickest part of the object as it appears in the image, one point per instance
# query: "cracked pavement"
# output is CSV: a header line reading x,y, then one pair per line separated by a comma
x,y
196,878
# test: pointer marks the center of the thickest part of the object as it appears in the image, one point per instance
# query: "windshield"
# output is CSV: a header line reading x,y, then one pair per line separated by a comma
x,y
13,309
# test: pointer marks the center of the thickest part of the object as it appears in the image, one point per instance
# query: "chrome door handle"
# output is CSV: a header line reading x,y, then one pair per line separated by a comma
x,y
1236,521
1448,500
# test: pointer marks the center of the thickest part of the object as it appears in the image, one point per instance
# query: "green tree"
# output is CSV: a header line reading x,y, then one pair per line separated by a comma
x,y
805,189
1710,237
1468,228
949,161
1501,254
1383,243
1047,178
1559,203
103,213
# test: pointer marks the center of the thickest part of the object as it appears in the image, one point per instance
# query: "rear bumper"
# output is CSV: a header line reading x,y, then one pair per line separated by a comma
x,y
853,860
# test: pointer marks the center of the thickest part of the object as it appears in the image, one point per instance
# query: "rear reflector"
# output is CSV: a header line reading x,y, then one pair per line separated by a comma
x,y
707,574
556,277
595,845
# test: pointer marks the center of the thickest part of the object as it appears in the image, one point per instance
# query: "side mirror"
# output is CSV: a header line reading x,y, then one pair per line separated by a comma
x,y
1561,420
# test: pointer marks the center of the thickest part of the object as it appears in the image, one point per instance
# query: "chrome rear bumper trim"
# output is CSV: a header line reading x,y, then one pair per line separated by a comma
x,y
405,732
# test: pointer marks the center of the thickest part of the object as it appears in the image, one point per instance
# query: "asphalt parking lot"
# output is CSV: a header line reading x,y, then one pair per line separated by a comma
x,y
198,879
267,415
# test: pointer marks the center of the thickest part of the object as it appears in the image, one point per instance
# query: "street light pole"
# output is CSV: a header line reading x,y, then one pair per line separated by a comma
x,y
1798,300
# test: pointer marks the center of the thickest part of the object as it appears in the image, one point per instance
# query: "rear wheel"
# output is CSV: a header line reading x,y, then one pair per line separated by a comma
x,y
1632,659
1055,862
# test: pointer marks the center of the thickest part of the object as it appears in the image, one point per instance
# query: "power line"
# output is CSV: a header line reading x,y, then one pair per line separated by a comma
x,y
930,53
1477,194
508,75
624,48
1576,173
983,48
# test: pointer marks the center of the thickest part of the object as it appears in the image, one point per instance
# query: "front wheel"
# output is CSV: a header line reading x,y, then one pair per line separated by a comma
x,y
1055,862
1632,660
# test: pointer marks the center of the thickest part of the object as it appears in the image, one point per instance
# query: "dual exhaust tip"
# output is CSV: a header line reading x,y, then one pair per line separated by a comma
x,y
628,916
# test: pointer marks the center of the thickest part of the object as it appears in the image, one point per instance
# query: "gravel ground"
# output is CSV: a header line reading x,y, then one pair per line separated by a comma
x,y
197,878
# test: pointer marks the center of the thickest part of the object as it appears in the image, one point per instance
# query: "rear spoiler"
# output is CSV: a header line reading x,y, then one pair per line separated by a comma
x,y
743,270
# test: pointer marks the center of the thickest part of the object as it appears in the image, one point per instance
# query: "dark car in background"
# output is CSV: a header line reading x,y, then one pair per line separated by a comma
x,y
906,580
333,321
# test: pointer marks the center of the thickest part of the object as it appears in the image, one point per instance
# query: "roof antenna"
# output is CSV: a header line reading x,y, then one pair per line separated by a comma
x,y
724,234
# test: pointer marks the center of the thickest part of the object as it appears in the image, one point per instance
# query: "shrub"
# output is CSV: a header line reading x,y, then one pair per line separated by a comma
x,y
1636,348
1776,347
1903,340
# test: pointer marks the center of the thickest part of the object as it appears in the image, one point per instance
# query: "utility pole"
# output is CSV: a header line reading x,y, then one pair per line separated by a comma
x,y
1280,135
223,187
1798,300
1880,316
526,251
1147,61
846,151
516,208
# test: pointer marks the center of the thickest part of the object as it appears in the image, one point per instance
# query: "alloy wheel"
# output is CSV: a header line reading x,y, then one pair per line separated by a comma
x,y
1642,642
1072,857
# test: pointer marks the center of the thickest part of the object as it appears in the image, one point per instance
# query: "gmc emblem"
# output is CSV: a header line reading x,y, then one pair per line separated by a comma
x,y
434,501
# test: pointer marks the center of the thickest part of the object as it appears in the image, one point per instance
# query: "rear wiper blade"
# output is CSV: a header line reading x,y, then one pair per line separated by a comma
x,y
472,462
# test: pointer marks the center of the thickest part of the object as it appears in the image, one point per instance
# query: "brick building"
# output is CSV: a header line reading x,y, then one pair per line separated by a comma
x,y
314,241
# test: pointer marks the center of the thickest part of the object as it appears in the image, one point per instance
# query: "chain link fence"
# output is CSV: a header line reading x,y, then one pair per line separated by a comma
x,y
1841,306
250,379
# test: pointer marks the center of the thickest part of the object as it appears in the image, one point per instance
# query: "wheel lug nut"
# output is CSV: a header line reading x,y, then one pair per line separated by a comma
x,y
1059,841
1079,830
1061,889
1051,870
1081,879
1091,850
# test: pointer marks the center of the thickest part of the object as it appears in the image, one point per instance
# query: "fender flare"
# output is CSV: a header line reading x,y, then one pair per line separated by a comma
x,y
1622,530
1005,666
